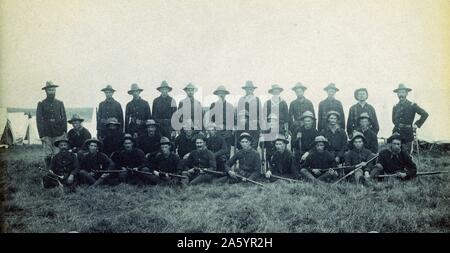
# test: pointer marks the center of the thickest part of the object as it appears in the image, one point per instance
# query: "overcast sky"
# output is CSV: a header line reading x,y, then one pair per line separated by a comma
x,y
84,45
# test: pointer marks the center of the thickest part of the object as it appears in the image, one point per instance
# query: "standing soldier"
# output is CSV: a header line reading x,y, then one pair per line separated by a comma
x,y
149,142
109,108
330,104
51,121
190,108
362,106
303,142
298,107
251,105
403,115
78,134
320,163
336,136
223,115
248,159
279,107
113,136
137,112
164,107
282,162
64,167
369,134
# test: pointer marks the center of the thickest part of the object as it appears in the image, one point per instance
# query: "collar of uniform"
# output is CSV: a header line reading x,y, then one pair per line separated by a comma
x,y
109,100
276,102
136,99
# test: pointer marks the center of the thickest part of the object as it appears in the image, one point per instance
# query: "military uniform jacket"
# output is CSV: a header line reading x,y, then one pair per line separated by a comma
x,y
201,159
296,109
305,142
281,108
393,163
354,157
191,107
77,138
136,109
107,109
184,144
65,163
112,141
283,163
97,161
320,160
403,115
223,114
337,141
248,104
354,113
249,161
218,146
371,139
130,159
149,144
170,164
51,118
164,107
326,105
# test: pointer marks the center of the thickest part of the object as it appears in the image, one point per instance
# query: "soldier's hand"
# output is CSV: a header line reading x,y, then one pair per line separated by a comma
x,y
268,174
366,175
232,174
70,179
191,170
104,175
315,171
304,156
156,173
91,174
135,135
331,171
138,121
173,134
299,135
402,174
167,175
337,159
186,156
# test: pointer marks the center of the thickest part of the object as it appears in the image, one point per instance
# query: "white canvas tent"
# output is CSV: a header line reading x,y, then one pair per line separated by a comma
x,y
18,128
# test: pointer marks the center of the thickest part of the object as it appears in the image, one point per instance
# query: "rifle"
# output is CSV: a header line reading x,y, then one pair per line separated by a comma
x,y
425,173
53,175
353,171
108,171
248,179
338,168
171,175
222,173
285,178
263,159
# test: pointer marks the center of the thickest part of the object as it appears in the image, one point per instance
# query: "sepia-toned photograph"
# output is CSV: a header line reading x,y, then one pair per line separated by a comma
x,y
216,116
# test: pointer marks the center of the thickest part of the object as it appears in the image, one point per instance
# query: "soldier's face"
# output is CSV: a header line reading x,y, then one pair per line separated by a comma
x,y
190,92
276,92
221,95
402,94
364,122
307,122
128,145
332,119
63,146
200,143
109,94
320,146
164,91
76,124
189,132
358,143
361,95
50,92
299,92
331,92
93,147
151,129
280,146
245,143
249,91
165,148
396,146
273,123
212,131
112,126
135,94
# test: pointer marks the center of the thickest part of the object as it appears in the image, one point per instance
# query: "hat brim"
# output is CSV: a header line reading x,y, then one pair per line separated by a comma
x,y
249,87
245,137
73,120
216,92
333,88
107,89
168,87
325,142
271,90
166,143
56,143
87,142
359,136
50,86
399,89
128,138
283,140
140,90
302,117
363,117
337,115
113,123
299,87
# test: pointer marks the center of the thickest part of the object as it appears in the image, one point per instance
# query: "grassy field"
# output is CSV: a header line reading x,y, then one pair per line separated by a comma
x,y
421,205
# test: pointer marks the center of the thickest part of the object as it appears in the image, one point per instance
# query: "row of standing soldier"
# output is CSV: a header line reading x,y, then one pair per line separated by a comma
x,y
299,120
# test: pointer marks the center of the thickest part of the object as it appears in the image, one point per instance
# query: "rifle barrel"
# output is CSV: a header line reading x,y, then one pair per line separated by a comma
x,y
249,180
285,178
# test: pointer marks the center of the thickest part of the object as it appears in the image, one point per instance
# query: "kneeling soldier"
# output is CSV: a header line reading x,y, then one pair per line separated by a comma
x,y
395,160
133,163
166,162
93,162
198,159
64,167
320,163
358,157
248,158
282,161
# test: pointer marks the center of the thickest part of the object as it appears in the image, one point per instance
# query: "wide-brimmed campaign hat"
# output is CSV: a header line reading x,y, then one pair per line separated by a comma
x,y
249,85
62,139
128,137
299,86
164,84
164,140
151,122
333,113
49,84
395,136
190,86
320,138
135,87
89,141
307,114
282,138
364,115
200,136
245,136
331,86
108,88
356,135
221,89
358,90
275,87
402,87
112,121
74,118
